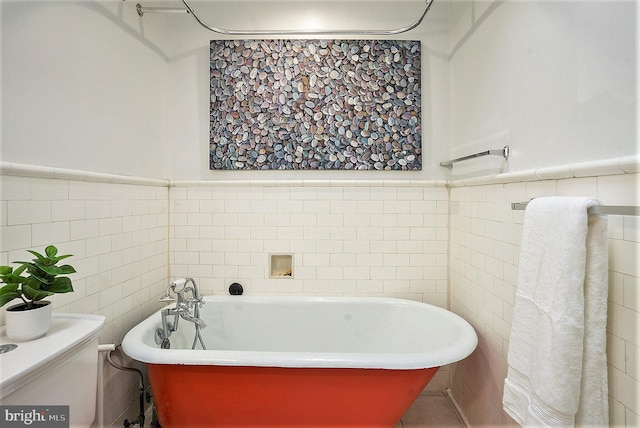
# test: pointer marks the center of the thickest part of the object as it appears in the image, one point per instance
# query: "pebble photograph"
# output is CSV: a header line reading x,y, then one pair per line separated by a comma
x,y
315,105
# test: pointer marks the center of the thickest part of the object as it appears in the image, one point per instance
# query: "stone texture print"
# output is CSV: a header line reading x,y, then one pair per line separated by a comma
x,y
315,105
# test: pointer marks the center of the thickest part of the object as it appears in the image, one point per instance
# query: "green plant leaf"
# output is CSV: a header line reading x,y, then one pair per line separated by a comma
x,y
61,285
35,294
66,270
39,275
9,288
32,282
12,278
25,265
8,296
57,259
8,293
51,251
39,256
49,270
5,270
19,270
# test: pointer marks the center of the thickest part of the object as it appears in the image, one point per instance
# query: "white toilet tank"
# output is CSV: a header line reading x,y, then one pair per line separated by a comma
x,y
58,369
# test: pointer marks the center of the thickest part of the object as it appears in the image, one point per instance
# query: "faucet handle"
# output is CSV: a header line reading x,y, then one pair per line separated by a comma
x,y
192,303
166,299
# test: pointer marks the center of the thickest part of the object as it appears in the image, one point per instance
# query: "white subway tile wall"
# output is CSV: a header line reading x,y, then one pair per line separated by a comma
x,y
484,257
380,239
415,240
118,235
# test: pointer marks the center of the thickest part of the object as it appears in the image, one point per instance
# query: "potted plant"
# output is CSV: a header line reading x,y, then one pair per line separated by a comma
x,y
33,281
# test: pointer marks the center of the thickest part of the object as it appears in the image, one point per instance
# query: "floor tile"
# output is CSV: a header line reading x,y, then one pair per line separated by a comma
x,y
430,411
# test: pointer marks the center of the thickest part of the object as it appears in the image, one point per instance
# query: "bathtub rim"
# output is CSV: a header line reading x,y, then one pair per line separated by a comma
x,y
134,346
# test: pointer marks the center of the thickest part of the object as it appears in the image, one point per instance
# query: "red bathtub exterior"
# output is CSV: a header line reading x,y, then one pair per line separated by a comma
x,y
225,396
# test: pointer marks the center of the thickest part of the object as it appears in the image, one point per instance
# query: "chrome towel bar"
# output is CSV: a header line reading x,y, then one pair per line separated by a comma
x,y
504,152
149,9
597,209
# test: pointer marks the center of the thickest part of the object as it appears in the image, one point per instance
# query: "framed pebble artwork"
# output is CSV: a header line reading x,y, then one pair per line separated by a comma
x,y
315,105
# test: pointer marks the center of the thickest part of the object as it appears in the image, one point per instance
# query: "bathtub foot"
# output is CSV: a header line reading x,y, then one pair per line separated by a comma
x,y
154,417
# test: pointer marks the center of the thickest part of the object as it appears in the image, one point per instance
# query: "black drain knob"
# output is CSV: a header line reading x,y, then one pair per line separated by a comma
x,y
235,289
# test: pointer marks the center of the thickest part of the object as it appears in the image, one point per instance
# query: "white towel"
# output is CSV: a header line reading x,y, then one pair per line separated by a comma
x,y
557,364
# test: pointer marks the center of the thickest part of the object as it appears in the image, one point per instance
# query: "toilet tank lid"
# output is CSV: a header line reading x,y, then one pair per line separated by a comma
x,y
29,360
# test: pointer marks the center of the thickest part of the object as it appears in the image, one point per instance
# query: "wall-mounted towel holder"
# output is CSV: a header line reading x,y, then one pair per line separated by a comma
x,y
504,152
596,209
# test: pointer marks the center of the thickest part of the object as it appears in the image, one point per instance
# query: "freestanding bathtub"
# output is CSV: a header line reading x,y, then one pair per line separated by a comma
x,y
299,361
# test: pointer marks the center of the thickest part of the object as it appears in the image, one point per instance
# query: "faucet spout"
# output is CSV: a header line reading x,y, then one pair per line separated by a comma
x,y
187,316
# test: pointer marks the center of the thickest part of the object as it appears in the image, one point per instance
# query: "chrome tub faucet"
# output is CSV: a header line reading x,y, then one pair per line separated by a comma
x,y
185,308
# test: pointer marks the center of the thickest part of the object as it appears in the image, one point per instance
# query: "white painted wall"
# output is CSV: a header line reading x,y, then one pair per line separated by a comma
x,y
119,94
557,78
554,80
189,77
84,87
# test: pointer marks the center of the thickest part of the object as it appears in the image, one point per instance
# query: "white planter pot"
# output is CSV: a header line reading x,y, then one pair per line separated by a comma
x,y
22,325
